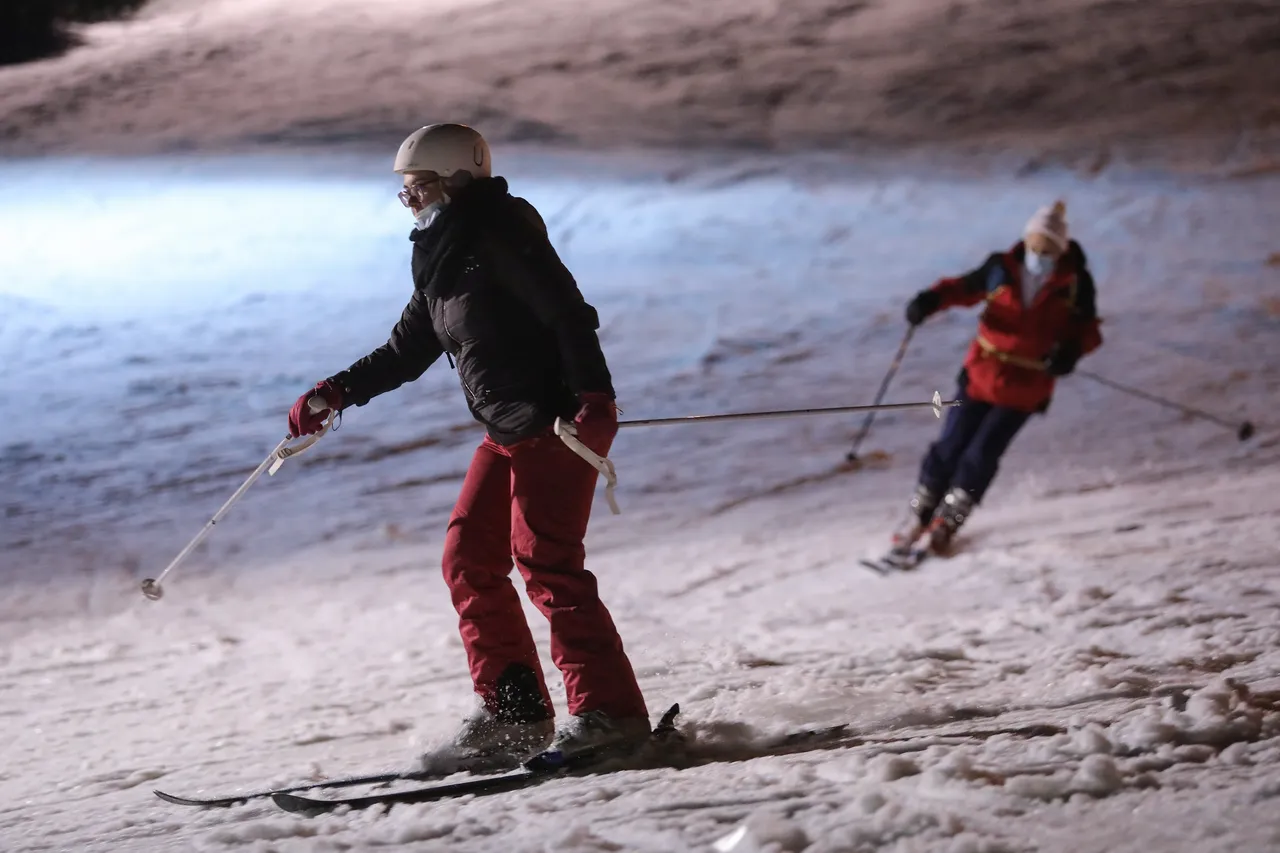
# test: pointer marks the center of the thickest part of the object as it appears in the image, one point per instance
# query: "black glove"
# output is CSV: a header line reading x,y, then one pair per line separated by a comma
x,y
925,303
1062,359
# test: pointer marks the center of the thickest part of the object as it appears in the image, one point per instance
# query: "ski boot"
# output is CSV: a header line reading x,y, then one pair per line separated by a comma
x,y
594,732
920,510
956,508
500,735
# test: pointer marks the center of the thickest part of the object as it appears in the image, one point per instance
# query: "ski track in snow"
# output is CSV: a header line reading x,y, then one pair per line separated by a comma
x,y
1118,590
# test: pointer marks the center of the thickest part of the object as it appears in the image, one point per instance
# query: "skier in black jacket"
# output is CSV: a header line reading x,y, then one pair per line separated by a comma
x,y
492,296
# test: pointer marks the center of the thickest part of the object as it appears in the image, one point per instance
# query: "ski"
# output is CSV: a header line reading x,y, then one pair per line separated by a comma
x,y
263,793
839,736
896,561
549,765
481,767
540,768
312,807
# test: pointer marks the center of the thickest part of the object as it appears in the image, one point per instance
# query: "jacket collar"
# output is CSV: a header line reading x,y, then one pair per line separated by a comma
x,y
480,193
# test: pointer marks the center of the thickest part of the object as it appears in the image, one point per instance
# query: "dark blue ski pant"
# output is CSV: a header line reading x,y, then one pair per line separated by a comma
x,y
968,452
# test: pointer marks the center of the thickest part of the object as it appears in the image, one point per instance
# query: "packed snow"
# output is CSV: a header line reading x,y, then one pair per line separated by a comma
x,y
1098,669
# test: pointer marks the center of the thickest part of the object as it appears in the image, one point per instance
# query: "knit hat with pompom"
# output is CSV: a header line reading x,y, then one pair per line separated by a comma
x,y
1052,223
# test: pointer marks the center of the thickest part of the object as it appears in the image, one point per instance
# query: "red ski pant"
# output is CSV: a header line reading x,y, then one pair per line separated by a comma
x,y
532,501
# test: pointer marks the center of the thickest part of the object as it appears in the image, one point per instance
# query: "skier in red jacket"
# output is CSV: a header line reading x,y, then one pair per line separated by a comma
x,y
1040,318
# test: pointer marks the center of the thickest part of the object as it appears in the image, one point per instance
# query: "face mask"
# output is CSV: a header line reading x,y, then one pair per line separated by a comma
x,y
423,218
1038,264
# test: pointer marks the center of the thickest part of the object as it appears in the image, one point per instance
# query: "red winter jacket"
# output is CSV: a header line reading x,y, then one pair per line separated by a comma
x,y
1005,364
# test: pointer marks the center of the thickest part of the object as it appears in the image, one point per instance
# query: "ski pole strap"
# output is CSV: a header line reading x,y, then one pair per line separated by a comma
x,y
569,435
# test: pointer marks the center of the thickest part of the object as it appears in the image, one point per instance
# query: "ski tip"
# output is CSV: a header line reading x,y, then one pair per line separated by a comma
x,y
895,564
188,801
814,736
668,720
301,805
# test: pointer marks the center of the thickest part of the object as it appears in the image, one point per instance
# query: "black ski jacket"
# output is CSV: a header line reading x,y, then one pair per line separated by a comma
x,y
490,291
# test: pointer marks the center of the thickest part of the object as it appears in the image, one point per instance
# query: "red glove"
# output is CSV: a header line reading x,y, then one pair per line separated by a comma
x,y
597,421
302,421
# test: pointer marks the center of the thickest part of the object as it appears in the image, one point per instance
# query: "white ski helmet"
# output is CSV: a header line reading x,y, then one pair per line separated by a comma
x,y
445,149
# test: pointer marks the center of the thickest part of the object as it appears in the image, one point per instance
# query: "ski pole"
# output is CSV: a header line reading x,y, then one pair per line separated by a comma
x,y
852,455
569,434
937,404
151,586
1244,430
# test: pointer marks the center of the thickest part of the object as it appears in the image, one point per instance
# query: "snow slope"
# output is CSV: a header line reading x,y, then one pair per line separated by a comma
x,y
1122,569
1097,671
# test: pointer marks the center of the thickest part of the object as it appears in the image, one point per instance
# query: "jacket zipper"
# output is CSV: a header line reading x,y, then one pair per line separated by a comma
x,y
470,393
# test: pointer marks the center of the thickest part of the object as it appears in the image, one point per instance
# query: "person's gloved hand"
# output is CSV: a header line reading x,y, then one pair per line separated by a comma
x,y
597,421
1062,359
302,421
925,303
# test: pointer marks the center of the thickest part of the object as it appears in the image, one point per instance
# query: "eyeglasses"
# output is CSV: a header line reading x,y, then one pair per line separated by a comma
x,y
414,193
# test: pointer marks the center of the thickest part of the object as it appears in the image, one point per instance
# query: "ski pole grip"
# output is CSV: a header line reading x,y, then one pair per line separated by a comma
x,y
288,450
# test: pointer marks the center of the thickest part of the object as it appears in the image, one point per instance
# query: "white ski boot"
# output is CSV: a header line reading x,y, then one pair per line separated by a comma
x,y
956,508
595,731
920,511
